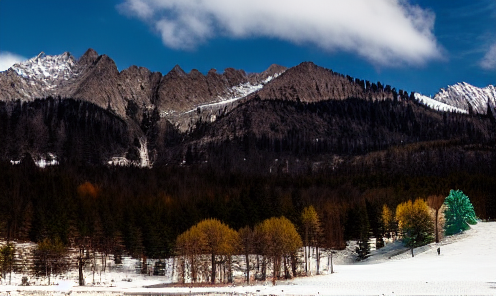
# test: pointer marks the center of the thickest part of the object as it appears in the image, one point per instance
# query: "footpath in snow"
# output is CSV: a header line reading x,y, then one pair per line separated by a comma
x,y
465,267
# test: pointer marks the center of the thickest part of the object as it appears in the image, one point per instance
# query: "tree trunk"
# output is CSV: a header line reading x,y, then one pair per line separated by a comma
x,y
264,268
81,279
193,268
435,223
306,261
309,253
318,260
286,269
332,266
247,268
183,269
274,274
293,264
213,268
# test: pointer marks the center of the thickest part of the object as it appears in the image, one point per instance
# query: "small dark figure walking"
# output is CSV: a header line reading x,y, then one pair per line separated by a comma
x,y
439,251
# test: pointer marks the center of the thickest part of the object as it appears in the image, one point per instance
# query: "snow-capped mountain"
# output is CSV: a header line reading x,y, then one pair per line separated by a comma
x,y
48,69
462,95
460,98
39,77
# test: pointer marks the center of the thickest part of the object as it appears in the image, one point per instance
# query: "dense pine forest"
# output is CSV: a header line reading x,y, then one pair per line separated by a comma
x,y
142,211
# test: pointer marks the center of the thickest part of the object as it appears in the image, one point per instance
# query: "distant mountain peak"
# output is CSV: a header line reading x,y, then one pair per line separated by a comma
x,y
89,57
41,55
47,67
178,71
462,95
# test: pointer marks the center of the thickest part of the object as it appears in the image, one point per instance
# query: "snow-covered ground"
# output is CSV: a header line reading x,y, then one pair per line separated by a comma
x,y
465,267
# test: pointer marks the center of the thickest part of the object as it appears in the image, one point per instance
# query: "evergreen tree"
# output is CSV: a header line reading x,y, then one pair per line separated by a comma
x,y
363,248
7,257
50,258
459,212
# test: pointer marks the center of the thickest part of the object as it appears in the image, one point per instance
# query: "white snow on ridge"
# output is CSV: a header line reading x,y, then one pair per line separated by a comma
x,y
47,70
462,94
236,93
436,105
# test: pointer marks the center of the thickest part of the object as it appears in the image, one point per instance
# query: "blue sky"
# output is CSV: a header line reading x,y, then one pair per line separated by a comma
x,y
415,45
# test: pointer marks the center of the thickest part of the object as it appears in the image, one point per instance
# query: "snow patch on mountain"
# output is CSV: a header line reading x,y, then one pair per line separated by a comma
x,y
236,93
462,95
46,70
436,105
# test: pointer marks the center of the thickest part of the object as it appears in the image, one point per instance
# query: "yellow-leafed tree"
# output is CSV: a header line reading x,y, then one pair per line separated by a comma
x,y
279,240
211,237
415,223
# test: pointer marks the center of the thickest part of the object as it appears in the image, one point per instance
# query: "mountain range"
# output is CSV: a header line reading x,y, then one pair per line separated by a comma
x,y
63,109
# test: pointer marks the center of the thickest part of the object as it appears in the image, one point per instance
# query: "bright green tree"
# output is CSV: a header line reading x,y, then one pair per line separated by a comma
x,y
459,213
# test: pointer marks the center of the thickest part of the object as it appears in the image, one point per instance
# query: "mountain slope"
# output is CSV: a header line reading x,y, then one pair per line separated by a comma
x,y
306,112
308,82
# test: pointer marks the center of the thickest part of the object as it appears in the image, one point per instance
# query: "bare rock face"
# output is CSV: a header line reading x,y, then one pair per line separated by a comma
x,y
272,72
88,58
180,92
308,82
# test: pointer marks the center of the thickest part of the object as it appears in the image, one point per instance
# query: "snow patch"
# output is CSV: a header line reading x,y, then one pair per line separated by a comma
x,y
464,267
144,161
234,94
436,105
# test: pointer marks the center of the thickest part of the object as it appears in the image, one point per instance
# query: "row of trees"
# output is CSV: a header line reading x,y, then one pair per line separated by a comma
x,y
116,211
275,239
420,222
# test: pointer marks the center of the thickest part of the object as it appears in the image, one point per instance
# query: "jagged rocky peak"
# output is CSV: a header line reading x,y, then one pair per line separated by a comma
x,y
177,71
88,58
466,96
270,73
234,77
47,67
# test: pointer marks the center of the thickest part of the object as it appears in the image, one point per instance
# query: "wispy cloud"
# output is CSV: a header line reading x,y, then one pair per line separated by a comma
x,y
384,32
488,62
8,59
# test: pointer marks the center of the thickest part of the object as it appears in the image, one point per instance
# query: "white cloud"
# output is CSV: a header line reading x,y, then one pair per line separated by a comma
x,y
385,32
8,59
489,60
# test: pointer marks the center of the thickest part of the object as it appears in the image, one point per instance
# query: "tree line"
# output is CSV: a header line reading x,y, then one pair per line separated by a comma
x,y
141,212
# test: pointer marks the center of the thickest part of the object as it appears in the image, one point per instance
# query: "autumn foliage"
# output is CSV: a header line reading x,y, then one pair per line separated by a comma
x,y
415,222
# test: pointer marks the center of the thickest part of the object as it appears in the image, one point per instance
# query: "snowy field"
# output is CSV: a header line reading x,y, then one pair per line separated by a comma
x,y
466,266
